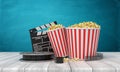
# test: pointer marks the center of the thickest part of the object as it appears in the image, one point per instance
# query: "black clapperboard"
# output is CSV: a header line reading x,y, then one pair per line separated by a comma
x,y
39,38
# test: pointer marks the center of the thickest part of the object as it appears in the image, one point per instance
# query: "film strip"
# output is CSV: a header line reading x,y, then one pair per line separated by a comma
x,y
39,38
98,56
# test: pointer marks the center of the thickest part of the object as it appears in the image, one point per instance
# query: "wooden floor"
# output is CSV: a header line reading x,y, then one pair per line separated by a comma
x,y
9,62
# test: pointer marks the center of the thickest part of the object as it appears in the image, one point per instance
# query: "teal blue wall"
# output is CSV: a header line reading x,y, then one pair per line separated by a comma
x,y
0,26
18,16
119,26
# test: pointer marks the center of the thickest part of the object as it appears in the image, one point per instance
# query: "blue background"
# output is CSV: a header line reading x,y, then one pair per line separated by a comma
x,y
18,16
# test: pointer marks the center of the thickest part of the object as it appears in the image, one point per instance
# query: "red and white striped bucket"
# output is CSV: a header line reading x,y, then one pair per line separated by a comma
x,y
82,42
58,41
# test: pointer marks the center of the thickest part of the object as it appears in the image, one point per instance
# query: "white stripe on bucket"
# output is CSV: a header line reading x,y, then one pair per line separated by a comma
x,y
73,37
93,43
89,53
82,40
98,34
77,39
62,41
70,31
56,43
86,41
53,44
59,43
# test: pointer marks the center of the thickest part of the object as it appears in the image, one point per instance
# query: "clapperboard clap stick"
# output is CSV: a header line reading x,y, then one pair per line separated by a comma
x,y
41,46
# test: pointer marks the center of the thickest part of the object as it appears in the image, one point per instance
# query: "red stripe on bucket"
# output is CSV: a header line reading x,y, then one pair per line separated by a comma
x,y
88,42
74,43
61,42
68,41
84,34
71,43
58,43
79,43
95,38
82,41
52,44
64,40
92,43
52,40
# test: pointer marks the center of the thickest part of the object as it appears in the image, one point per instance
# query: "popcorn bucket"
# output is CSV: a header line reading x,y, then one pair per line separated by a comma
x,y
58,41
82,42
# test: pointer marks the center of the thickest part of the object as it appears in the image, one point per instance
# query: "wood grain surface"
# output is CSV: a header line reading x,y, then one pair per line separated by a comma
x,y
10,62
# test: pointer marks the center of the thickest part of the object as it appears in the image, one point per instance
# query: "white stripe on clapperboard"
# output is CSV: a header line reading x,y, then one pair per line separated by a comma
x,y
42,33
43,27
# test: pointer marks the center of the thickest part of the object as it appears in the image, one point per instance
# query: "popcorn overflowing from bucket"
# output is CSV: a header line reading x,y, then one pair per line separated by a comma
x,y
88,24
78,41
55,27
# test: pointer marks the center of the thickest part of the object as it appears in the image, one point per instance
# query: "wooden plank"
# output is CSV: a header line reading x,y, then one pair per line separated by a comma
x,y
8,60
114,64
15,67
111,54
98,66
115,60
39,66
8,56
11,63
80,66
3,55
14,57
59,67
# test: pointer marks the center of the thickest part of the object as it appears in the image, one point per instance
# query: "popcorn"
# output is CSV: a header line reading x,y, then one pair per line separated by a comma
x,y
72,60
52,27
66,59
88,24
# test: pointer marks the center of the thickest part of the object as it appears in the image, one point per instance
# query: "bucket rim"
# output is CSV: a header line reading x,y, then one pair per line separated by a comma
x,y
56,29
83,28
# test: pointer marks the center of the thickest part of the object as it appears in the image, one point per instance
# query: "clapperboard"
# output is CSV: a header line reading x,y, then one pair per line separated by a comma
x,y
39,38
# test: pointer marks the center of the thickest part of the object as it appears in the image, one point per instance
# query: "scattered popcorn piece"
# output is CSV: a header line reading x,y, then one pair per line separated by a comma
x,y
72,60
66,59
